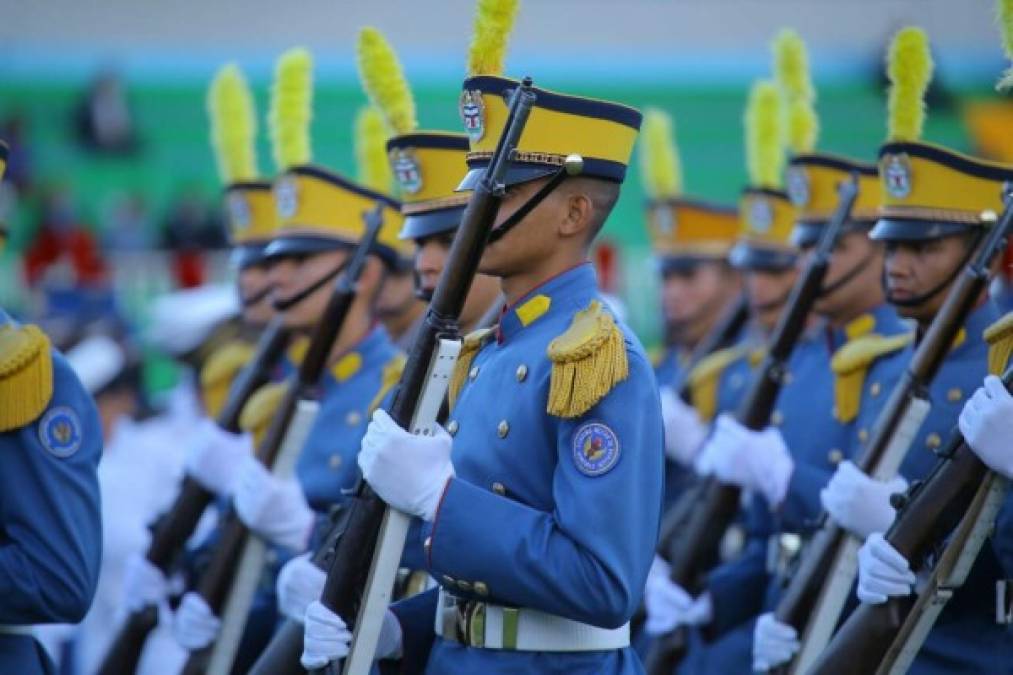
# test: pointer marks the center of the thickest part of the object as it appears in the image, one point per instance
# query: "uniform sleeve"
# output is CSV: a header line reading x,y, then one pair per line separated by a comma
x,y
51,539
588,559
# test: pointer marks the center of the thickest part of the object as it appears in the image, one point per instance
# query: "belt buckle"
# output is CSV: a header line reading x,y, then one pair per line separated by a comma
x,y
782,552
465,621
1004,602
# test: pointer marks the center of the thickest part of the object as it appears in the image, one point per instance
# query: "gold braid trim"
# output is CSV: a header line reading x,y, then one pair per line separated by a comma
x,y
703,380
391,375
852,361
588,360
999,337
435,204
26,375
220,369
260,408
469,348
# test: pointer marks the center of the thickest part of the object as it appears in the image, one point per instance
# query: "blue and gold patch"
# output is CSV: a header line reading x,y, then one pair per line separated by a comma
x,y
595,449
60,432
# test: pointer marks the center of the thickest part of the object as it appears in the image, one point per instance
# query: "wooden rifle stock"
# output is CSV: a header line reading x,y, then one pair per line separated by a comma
x,y
801,605
696,542
177,525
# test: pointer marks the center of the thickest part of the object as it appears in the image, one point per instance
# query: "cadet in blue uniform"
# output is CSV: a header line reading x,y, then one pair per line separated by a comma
x,y
543,506
936,205
50,520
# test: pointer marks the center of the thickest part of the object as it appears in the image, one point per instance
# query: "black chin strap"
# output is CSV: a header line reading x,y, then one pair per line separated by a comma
x,y
773,304
848,277
517,216
284,304
936,290
250,300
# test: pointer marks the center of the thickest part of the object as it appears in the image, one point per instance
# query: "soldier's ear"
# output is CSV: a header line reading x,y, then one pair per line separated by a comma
x,y
578,215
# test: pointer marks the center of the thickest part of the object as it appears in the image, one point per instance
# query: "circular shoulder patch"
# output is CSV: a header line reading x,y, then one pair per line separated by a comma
x,y
60,431
595,449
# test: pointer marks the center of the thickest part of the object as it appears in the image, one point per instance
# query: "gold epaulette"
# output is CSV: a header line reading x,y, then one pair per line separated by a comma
x,y
588,360
852,361
656,354
704,378
220,370
260,408
999,337
390,376
471,345
26,375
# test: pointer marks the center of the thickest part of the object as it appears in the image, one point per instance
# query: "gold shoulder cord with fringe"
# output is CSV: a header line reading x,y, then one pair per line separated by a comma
x,y
471,345
260,408
26,375
220,369
704,378
852,361
391,375
999,337
588,360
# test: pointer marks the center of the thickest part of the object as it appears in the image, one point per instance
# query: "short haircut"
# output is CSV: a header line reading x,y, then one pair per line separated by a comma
x,y
603,195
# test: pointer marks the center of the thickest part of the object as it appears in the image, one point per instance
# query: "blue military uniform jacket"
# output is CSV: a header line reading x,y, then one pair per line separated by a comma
x,y
532,519
50,519
966,637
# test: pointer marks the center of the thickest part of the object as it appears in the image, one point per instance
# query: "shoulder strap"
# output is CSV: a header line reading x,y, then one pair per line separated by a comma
x,y
852,361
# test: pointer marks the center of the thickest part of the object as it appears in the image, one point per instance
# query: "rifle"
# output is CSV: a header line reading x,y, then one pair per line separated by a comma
x,y
721,336
817,592
959,496
174,528
230,581
715,505
365,557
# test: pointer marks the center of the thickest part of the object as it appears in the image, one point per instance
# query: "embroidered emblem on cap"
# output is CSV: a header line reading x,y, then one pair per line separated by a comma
x,y
406,169
797,184
239,212
595,449
286,197
664,219
473,114
60,432
761,215
896,173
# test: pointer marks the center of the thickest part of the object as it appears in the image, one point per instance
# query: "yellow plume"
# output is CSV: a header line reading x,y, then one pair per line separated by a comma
x,y
371,150
659,158
909,66
494,19
384,81
791,68
292,108
764,121
1004,13
233,125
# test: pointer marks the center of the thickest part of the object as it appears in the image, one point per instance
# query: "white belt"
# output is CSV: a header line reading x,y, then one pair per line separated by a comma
x,y
480,624
11,629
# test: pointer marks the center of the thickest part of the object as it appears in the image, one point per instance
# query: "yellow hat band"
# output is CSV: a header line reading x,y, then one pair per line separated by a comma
x,y
812,181
927,182
427,165
250,213
311,201
766,218
689,228
602,133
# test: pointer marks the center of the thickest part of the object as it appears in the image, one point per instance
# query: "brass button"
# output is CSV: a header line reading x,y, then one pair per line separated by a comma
x,y
353,418
954,395
933,441
503,429
875,388
735,381
776,418
473,373
499,488
428,544
448,580
835,456
863,435
452,427
334,461
481,588
522,372
464,585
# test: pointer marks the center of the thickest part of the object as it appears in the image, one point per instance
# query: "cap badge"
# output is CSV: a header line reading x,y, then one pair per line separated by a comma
x,y
473,114
761,215
797,183
897,175
286,197
239,212
406,170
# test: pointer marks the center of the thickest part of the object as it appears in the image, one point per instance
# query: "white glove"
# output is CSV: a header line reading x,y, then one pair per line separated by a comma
x,y
987,425
408,471
195,626
214,458
753,460
882,571
300,582
143,583
669,606
684,431
858,503
327,639
275,508
774,643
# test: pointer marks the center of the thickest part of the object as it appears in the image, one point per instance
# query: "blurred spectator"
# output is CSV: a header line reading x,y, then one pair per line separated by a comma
x,y
14,131
62,248
127,225
191,227
102,118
